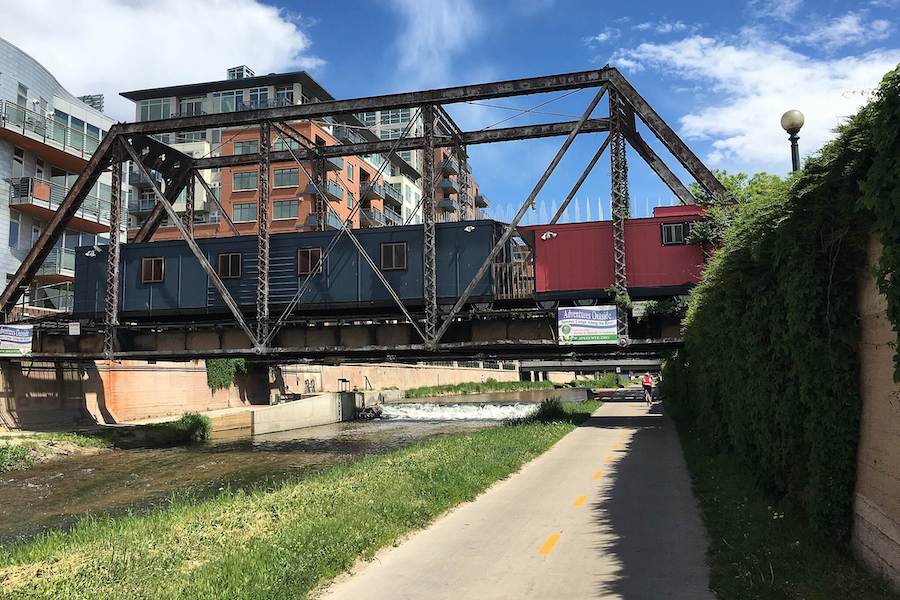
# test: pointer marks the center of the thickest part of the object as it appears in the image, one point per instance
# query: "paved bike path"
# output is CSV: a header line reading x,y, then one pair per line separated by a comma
x,y
606,513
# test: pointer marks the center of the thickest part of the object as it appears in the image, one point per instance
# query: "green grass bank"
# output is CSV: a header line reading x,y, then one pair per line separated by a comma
x,y
282,542
762,548
608,380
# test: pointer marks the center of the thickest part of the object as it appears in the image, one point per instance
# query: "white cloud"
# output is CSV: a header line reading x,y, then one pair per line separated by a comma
x,y
752,82
850,29
610,33
663,26
782,10
111,46
433,34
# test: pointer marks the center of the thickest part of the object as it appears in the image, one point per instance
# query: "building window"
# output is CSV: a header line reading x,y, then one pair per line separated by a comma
x,y
241,182
350,199
349,171
18,169
394,116
246,147
244,213
155,108
308,261
227,101
152,269
282,144
22,96
13,229
284,95
35,234
367,118
393,256
287,178
230,265
259,97
191,107
390,134
675,233
285,209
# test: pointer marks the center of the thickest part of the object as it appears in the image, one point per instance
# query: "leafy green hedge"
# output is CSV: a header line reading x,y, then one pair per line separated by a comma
x,y
220,372
769,367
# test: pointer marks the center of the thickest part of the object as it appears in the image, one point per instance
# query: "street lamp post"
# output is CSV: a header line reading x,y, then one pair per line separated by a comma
x,y
792,121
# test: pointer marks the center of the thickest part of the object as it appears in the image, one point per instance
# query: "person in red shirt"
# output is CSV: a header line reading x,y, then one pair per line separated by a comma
x,y
647,383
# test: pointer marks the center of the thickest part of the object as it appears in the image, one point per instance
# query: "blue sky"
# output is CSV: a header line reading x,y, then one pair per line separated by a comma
x,y
721,78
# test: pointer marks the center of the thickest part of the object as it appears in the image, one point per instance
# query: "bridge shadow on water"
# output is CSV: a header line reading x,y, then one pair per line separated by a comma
x,y
649,531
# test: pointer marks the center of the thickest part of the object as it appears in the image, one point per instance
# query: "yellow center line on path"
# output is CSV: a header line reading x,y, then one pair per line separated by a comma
x,y
616,446
598,474
580,500
608,459
548,545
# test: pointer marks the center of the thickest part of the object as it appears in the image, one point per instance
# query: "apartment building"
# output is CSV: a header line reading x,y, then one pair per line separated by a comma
x,y
47,135
456,195
291,195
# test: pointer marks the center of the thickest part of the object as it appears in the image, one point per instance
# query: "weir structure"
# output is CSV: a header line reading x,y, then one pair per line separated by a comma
x,y
404,335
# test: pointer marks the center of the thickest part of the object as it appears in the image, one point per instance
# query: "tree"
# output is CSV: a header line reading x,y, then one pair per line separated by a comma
x,y
721,210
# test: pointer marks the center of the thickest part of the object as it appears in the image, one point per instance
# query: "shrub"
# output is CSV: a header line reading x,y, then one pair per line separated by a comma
x,y
220,372
15,456
550,409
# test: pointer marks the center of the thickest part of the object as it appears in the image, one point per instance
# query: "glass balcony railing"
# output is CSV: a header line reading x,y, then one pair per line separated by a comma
x,y
47,130
450,186
392,217
373,190
60,261
49,195
347,134
374,216
392,193
448,204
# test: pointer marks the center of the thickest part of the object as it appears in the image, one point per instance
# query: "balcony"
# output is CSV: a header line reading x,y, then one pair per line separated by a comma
x,y
334,164
40,198
481,201
59,265
448,204
141,205
374,217
45,130
373,191
392,194
449,186
332,221
332,190
43,301
392,217
450,166
465,199
347,134
136,178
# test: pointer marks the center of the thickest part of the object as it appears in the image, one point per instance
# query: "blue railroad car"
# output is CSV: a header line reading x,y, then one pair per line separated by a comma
x,y
158,278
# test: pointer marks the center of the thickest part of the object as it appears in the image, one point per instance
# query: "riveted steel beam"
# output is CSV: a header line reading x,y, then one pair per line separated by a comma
x,y
449,95
468,138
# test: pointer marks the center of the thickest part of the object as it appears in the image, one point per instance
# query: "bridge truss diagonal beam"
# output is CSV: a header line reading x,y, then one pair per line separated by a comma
x,y
192,244
508,231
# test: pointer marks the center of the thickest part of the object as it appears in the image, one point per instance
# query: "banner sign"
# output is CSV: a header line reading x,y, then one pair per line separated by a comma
x,y
15,339
587,325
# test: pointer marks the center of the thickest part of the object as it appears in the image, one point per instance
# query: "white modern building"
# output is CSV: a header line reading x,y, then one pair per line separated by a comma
x,y
47,136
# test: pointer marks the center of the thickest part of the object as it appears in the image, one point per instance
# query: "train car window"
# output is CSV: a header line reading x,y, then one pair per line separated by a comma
x,y
393,256
152,269
673,234
308,261
230,265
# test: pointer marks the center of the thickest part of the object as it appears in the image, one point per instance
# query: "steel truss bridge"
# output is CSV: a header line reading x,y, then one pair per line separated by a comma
x,y
434,332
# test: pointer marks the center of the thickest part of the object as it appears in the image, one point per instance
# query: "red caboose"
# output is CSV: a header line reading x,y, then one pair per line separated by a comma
x,y
575,260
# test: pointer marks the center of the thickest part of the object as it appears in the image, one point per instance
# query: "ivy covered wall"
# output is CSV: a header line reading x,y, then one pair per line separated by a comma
x,y
769,369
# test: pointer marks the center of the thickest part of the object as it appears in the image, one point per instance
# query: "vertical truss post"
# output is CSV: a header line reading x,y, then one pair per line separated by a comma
x,y
111,320
320,202
262,253
189,204
429,248
463,180
619,205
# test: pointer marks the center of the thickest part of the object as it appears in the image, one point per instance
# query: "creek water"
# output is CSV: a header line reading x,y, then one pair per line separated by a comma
x,y
57,493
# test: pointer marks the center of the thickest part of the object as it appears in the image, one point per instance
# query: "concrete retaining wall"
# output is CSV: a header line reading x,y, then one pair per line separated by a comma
x,y
320,409
876,526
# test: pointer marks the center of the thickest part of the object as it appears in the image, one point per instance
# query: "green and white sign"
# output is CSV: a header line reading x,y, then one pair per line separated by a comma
x,y
587,325
15,339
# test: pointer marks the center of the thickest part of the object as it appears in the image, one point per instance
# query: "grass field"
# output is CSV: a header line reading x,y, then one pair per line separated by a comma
x,y
282,542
